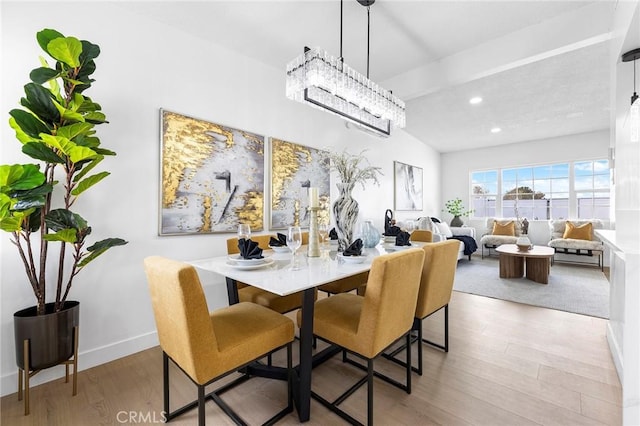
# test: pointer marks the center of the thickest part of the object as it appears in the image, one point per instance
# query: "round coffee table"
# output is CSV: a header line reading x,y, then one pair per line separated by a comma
x,y
536,261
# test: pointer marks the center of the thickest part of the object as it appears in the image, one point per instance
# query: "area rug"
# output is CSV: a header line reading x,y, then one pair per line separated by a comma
x,y
571,288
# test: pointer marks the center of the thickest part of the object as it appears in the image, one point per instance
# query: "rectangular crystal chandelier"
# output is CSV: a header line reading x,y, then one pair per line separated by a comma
x,y
326,82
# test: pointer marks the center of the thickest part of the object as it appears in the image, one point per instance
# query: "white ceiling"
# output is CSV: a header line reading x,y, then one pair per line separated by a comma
x,y
542,67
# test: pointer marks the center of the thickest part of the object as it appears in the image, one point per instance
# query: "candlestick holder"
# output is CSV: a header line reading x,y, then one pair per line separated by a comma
x,y
313,248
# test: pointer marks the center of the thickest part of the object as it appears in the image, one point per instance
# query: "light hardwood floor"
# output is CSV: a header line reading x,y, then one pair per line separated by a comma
x,y
508,364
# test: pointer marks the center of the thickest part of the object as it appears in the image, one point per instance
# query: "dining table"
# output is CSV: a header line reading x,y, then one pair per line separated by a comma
x,y
275,274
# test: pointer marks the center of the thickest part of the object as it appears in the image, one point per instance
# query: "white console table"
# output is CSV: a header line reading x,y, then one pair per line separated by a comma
x,y
623,330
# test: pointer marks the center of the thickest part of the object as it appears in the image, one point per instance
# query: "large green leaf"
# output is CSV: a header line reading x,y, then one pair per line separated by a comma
x,y
90,51
11,224
20,134
45,36
81,153
103,151
39,151
28,122
88,141
100,247
67,114
60,219
39,102
89,105
95,117
42,75
88,183
38,191
64,235
29,203
88,167
66,50
75,129
17,177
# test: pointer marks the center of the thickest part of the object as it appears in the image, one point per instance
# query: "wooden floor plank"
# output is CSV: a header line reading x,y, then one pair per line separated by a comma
x,y
507,365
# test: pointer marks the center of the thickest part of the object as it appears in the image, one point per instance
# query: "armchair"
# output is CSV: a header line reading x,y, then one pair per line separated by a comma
x,y
498,232
576,237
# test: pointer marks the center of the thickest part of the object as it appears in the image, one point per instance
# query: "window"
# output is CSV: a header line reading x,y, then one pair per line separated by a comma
x,y
484,191
591,183
551,191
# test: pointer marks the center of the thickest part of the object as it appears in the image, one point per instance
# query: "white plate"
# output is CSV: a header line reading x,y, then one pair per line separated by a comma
x,y
393,246
352,259
280,249
236,265
240,261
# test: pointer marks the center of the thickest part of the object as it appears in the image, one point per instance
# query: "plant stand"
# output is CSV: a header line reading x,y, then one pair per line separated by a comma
x,y
28,374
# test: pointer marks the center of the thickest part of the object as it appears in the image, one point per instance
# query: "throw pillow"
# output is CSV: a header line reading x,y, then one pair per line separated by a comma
x,y
507,228
582,232
444,229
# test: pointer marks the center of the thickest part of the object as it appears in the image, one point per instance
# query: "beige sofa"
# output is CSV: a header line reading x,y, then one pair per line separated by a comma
x,y
576,247
489,241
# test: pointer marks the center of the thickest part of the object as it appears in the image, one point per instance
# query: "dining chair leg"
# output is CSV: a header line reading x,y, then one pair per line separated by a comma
x,y
419,347
409,360
370,392
446,328
201,417
165,381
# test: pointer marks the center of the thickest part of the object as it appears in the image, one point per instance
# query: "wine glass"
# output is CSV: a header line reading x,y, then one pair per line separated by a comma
x,y
244,231
323,234
294,241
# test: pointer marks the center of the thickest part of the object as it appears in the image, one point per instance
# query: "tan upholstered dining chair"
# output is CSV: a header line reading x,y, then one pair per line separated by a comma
x,y
436,285
208,346
422,235
367,325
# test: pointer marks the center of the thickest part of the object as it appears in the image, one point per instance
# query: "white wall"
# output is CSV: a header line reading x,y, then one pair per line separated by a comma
x,y
145,65
456,166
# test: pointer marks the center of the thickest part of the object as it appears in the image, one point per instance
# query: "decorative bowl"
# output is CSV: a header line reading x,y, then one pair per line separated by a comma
x,y
524,247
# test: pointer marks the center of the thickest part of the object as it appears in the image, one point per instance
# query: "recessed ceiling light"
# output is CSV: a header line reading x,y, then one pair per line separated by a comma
x,y
496,130
475,100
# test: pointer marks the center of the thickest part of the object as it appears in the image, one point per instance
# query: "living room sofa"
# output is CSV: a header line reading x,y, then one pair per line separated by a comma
x,y
583,243
442,231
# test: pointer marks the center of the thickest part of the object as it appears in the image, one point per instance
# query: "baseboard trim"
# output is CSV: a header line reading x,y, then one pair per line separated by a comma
x,y
86,359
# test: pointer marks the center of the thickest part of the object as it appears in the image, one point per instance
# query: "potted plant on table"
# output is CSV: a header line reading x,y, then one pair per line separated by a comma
x,y
456,209
56,129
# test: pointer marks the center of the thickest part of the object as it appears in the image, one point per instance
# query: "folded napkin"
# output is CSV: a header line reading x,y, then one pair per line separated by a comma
x,y
402,239
249,249
393,231
280,242
355,249
333,235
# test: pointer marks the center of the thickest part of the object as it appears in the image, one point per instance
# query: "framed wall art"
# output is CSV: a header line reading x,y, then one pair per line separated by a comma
x,y
212,177
294,169
407,186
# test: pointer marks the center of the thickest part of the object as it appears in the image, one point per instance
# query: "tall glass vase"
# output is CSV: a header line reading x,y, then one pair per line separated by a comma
x,y
345,212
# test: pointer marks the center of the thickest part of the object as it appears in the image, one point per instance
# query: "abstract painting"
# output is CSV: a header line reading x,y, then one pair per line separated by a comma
x,y
212,177
294,169
408,186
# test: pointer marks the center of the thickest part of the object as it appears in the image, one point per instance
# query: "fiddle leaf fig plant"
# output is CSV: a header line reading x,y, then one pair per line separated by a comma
x,y
56,128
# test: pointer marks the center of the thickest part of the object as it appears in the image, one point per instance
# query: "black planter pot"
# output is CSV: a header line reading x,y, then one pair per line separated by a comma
x,y
51,336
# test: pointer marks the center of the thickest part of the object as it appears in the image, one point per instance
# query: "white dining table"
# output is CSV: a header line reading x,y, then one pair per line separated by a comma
x,y
277,277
